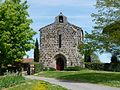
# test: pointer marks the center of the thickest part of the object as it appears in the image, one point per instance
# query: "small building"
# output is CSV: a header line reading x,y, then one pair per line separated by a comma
x,y
28,66
58,44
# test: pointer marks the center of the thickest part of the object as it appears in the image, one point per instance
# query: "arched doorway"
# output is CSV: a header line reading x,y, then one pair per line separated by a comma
x,y
60,62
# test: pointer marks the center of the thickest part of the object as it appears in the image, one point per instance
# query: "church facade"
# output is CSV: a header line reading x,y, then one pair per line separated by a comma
x,y
58,44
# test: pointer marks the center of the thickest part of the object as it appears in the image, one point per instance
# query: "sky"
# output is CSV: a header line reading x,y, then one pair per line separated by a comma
x,y
78,12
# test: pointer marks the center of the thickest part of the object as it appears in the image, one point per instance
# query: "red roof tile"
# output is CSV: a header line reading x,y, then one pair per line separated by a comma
x,y
27,60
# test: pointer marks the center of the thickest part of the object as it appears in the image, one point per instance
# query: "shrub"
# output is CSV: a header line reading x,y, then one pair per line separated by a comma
x,y
38,67
103,66
45,69
114,67
2,71
95,66
10,80
52,69
106,67
75,68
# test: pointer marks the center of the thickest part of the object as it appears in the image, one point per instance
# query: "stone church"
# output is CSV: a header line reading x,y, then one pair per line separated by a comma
x,y
59,42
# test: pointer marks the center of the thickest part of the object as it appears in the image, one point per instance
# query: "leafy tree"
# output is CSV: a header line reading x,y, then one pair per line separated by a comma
x,y
114,59
36,51
15,32
113,31
87,48
89,53
105,36
0,1
95,58
106,30
108,12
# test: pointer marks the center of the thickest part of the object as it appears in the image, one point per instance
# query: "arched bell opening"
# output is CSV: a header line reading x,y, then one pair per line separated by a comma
x,y
61,19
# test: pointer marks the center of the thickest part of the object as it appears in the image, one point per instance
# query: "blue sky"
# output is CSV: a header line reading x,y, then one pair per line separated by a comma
x,y
43,12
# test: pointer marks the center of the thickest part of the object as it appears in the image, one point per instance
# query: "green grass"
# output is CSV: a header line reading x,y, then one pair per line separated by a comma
x,y
36,85
14,82
10,80
86,76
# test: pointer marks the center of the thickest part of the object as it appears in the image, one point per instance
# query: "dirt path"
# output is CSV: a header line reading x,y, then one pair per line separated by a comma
x,y
73,85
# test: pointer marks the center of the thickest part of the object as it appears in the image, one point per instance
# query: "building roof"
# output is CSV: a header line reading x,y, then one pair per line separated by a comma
x,y
75,28
27,60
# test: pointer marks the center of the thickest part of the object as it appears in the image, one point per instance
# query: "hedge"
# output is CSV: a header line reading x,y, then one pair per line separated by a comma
x,y
94,66
52,69
75,68
103,66
49,69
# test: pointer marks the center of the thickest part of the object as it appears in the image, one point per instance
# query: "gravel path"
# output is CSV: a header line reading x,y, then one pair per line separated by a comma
x,y
73,85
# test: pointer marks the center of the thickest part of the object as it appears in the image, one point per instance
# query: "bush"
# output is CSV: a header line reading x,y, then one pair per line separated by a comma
x,y
75,68
103,66
10,80
52,69
49,69
112,67
38,67
2,71
95,66
45,69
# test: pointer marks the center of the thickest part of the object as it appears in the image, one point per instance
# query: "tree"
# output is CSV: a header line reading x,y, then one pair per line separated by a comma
x,y
114,59
15,31
113,30
87,48
89,53
36,51
95,58
108,12
106,21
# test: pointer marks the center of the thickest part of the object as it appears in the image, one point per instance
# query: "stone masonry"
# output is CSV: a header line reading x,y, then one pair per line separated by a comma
x,y
59,41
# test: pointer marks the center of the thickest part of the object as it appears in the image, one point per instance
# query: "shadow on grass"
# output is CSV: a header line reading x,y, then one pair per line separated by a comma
x,y
92,77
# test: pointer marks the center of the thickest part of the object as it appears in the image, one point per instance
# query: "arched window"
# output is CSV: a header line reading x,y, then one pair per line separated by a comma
x,y
61,19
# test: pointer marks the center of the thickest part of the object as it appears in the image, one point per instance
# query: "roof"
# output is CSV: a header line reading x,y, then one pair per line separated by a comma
x,y
27,60
74,27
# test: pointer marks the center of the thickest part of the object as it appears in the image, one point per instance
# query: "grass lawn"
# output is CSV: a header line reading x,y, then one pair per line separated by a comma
x,y
36,85
10,80
86,76
15,82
